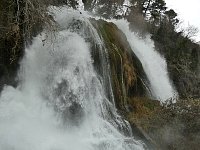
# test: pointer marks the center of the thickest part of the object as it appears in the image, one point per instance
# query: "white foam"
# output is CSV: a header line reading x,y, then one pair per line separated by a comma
x,y
153,63
57,73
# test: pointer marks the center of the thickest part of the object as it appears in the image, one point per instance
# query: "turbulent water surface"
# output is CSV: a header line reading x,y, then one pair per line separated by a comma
x,y
60,102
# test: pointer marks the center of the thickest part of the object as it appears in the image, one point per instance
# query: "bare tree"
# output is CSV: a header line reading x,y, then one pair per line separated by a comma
x,y
190,32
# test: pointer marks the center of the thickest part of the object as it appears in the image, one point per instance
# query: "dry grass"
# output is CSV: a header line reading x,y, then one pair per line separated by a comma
x,y
173,126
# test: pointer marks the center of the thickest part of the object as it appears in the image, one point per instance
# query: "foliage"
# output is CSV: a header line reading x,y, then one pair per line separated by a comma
x,y
104,8
170,126
20,21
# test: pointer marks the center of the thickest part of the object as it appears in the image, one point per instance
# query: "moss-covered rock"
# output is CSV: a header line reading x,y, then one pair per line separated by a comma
x,y
127,74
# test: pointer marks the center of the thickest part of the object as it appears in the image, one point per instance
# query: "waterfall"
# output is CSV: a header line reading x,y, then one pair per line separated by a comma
x,y
60,102
153,63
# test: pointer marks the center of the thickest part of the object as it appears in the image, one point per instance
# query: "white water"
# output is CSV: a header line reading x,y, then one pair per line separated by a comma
x,y
153,63
60,103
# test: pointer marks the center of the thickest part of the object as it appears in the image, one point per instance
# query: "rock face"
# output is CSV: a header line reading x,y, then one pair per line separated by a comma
x,y
127,75
11,41
19,22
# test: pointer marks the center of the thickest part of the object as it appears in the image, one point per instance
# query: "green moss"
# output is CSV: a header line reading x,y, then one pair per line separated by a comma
x,y
126,69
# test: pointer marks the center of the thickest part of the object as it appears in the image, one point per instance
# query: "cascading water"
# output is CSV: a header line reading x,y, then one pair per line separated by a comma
x,y
154,65
60,102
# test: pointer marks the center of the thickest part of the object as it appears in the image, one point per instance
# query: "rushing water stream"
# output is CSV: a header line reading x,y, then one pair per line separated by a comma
x,y
60,102
153,63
